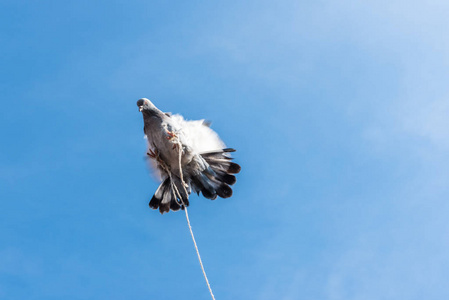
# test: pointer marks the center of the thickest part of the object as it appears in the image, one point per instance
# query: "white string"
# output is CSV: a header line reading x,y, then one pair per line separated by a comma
x,y
174,188
188,222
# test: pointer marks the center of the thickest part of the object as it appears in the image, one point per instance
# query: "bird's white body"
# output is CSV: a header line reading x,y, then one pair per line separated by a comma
x,y
201,138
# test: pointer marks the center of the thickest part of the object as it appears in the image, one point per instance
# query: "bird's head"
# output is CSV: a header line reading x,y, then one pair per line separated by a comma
x,y
145,105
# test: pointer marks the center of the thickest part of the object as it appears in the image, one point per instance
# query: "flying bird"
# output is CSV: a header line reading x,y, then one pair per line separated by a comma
x,y
188,156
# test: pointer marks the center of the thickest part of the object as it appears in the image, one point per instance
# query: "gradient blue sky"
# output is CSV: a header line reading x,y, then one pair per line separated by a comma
x,y
339,111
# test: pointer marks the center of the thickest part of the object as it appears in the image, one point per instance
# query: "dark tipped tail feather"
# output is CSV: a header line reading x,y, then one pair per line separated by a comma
x,y
216,179
221,161
166,197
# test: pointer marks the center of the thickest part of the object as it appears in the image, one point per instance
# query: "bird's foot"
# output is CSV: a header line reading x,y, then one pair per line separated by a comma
x,y
171,135
153,154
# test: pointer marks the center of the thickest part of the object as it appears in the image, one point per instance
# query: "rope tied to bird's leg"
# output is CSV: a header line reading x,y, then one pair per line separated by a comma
x,y
177,194
179,146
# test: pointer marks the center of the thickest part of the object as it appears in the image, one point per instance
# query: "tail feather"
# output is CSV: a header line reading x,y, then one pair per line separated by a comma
x,y
220,160
158,196
225,177
217,177
181,190
167,199
203,184
214,181
234,168
218,153
164,199
224,191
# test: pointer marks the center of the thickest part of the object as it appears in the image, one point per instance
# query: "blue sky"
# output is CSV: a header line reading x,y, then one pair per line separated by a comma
x,y
339,112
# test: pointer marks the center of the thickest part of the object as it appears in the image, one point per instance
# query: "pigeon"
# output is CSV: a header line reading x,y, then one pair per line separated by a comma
x,y
188,157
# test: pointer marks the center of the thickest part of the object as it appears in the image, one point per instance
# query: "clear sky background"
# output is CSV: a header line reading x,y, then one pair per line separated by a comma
x,y
339,111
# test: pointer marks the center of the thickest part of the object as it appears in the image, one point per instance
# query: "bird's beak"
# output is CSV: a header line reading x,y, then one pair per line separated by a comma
x,y
140,108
